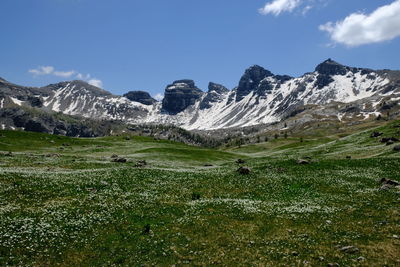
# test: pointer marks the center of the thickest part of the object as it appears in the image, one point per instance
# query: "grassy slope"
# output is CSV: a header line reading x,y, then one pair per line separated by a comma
x,y
79,209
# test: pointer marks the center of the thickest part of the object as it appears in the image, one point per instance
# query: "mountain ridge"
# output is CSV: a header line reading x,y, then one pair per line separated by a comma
x,y
261,97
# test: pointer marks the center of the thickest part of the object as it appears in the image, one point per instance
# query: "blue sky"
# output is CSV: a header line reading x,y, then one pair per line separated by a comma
x,y
146,44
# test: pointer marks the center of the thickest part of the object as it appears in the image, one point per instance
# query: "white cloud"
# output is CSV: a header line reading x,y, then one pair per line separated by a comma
x,y
383,24
81,76
276,7
96,82
64,74
42,70
159,97
50,70
306,9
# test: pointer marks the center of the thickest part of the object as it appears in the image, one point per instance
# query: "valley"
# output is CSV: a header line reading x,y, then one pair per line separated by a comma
x,y
314,200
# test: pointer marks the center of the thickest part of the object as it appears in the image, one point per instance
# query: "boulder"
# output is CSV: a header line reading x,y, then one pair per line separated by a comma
x,y
303,161
390,140
389,182
119,160
375,134
140,163
240,161
244,170
349,249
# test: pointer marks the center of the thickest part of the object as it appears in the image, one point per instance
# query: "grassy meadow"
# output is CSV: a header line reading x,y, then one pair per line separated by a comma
x,y
63,202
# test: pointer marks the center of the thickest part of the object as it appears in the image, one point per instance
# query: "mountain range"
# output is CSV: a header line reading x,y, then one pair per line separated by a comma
x,y
331,91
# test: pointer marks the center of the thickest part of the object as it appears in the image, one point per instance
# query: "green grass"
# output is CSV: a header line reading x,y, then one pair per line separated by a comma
x,y
80,209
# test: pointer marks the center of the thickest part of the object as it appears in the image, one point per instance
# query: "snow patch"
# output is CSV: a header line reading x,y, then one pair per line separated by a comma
x,y
16,101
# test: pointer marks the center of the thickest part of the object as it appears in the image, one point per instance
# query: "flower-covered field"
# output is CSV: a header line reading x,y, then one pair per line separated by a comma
x,y
63,202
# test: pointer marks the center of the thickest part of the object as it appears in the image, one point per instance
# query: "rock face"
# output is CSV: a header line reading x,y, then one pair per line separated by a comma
x,y
215,94
179,95
251,80
330,67
141,97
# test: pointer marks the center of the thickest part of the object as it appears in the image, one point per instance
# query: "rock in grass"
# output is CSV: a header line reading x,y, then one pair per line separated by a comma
x,y
303,161
195,196
8,154
389,140
119,160
375,134
240,161
146,229
389,182
388,143
361,258
53,155
396,148
114,156
140,163
385,187
244,170
349,249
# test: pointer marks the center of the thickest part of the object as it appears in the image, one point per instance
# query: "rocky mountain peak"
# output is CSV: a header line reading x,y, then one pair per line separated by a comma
x,y
331,67
215,94
179,95
250,80
185,83
218,88
141,97
79,86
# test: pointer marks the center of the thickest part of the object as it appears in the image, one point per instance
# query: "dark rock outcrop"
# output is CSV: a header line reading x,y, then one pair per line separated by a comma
x,y
326,70
180,95
215,94
244,170
330,67
250,81
141,97
303,161
323,80
376,134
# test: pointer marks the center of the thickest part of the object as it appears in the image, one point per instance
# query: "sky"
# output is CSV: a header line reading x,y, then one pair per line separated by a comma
x,y
123,45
